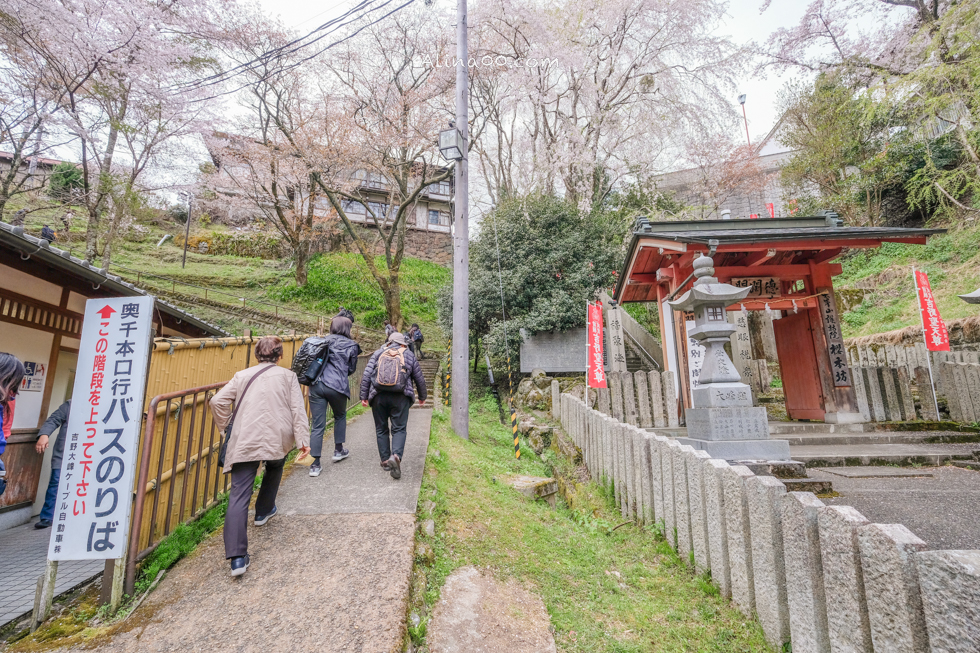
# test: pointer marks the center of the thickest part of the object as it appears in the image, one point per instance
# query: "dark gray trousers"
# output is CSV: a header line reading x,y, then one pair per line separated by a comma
x,y
320,397
242,482
393,407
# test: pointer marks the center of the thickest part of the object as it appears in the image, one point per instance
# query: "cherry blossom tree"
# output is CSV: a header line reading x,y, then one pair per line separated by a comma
x,y
116,70
584,95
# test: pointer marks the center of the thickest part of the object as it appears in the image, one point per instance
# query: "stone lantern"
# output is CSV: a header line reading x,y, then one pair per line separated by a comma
x,y
723,421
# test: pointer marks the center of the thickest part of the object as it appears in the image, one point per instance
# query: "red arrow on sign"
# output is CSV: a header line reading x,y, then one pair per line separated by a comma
x,y
106,312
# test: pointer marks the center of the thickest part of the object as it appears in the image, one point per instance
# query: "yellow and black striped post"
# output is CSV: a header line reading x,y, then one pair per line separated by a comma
x,y
449,371
513,412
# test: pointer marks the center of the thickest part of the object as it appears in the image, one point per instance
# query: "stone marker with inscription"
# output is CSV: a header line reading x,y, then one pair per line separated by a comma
x,y
723,421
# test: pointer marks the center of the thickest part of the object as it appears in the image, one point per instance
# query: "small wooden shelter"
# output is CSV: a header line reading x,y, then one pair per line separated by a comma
x,y
788,262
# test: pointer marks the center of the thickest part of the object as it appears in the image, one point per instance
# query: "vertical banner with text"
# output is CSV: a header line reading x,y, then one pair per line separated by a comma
x,y
595,374
95,494
933,327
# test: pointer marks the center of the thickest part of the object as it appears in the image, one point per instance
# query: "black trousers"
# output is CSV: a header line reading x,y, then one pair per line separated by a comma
x,y
320,397
391,407
242,481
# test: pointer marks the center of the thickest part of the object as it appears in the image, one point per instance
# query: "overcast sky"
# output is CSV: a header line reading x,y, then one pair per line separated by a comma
x,y
744,24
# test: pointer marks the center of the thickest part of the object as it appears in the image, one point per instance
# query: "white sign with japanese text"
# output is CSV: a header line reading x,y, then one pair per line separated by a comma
x,y
695,356
95,495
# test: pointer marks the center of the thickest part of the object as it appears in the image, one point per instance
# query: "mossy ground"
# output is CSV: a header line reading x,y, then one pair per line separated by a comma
x,y
619,590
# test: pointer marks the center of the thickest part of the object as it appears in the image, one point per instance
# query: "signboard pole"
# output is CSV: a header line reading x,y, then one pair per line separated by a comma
x,y
925,338
588,348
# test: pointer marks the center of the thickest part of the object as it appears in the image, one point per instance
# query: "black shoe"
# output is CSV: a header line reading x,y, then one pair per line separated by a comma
x,y
43,523
385,465
315,469
260,521
239,565
340,455
395,465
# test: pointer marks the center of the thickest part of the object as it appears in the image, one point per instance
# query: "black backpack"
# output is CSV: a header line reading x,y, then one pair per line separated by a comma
x,y
308,361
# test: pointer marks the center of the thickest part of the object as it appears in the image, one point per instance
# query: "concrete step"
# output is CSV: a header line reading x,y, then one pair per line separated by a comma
x,y
886,437
794,428
882,454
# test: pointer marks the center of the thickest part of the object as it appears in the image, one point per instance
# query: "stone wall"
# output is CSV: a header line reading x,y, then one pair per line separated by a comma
x,y
821,576
433,246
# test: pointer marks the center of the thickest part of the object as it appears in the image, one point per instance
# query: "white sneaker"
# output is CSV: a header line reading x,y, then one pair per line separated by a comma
x,y
315,469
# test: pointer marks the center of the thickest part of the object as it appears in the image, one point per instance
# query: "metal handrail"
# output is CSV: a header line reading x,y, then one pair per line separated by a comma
x,y
640,347
134,555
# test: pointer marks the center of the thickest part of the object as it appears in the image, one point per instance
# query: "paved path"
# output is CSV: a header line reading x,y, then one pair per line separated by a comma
x,y
941,508
329,573
933,453
23,555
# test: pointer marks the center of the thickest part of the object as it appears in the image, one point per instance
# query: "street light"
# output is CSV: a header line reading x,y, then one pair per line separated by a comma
x,y
451,144
741,100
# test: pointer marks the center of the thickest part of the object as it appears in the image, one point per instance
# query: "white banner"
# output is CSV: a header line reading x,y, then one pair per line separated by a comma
x,y
95,495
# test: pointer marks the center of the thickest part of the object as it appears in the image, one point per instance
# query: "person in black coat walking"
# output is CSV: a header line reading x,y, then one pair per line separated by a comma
x,y
57,421
332,388
392,405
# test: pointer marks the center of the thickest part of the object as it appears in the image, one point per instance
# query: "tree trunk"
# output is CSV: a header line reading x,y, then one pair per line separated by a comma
x,y
92,234
393,302
476,354
302,257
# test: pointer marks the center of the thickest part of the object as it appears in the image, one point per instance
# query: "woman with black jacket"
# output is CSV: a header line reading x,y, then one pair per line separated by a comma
x,y
333,389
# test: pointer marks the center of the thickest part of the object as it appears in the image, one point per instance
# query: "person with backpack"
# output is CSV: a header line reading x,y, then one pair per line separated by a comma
x,y
415,340
389,329
333,389
269,418
387,388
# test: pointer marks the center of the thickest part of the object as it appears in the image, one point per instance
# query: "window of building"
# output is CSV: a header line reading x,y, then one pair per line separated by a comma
x,y
380,210
442,188
350,206
440,218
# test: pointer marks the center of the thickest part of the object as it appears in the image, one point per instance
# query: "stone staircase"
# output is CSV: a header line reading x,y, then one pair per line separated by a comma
x,y
430,370
636,359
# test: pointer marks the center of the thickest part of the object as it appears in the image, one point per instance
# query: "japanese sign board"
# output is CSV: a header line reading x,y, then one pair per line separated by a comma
x,y
95,494
933,327
34,374
695,356
595,375
741,345
835,341
615,343
761,286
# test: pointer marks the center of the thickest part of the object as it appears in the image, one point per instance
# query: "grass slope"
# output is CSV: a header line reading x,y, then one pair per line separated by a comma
x,y
621,590
338,279
952,261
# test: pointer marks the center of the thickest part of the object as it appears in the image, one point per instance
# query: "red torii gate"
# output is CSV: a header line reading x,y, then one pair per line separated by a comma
x,y
789,261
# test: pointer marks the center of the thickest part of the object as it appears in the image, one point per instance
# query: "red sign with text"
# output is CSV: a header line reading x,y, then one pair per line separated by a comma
x,y
596,374
936,336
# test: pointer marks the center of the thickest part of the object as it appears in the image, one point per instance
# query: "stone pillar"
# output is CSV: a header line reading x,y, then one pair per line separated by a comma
x,y
847,609
629,494
804,573
636,439
861,392
616,393
602,403
877,404
615,344
555,399
670,508
950,585
765,495
742,349
615,465
696,462
646,477
739,537
963,394
642,399
905,393
682,502
948,390
670,399
607,452
717,525
893,410
925,395
891,584
630,416
657,444
657,399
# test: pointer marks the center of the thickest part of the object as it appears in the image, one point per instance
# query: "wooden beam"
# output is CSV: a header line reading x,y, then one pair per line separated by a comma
x,y
825,256
758,258
789,271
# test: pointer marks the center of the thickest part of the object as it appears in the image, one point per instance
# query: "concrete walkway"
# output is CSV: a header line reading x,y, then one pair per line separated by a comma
x,y
329,573
23,556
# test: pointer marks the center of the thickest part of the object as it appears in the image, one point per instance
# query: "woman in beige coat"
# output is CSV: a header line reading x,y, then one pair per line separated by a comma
x,y
271,419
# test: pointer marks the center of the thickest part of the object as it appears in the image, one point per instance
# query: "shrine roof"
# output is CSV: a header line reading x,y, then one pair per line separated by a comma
x,y
769,230
767,244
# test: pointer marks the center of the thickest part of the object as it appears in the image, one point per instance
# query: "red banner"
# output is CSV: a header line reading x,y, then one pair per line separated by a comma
x,y
933,327
772,210
595,374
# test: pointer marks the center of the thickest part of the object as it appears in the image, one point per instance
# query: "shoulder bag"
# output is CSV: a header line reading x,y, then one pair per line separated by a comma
x,y
231,422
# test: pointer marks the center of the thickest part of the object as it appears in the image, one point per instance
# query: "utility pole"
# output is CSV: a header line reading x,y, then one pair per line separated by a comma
x,y
187,233
461,242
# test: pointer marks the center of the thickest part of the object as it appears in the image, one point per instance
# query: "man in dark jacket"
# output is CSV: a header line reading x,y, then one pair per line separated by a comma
x,y
333,389
58,421
387,405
